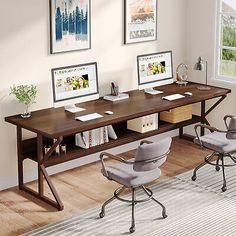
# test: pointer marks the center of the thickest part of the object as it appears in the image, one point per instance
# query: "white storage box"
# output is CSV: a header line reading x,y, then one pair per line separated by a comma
x,y
143,124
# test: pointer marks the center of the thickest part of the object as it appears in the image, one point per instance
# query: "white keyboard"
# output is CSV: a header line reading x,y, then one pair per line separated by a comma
x,y
88,117
173,97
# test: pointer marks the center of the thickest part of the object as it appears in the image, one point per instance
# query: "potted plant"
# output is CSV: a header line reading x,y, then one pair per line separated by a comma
x,y
26,95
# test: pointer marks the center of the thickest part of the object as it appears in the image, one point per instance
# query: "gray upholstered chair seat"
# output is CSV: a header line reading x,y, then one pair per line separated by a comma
x,y
218,142
125,175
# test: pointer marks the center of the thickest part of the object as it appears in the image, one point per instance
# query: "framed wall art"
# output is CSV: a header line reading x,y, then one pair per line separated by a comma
x,y
70,25
140,21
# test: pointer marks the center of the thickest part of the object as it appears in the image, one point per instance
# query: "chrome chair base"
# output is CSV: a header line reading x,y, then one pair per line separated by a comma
x,y
133,202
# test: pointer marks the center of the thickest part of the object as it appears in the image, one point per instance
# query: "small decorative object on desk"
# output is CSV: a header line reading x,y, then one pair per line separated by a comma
x,y
26,95
114,89
120,96
182,74
115,94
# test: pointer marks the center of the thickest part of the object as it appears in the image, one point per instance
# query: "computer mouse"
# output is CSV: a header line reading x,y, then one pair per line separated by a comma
x,y
109,112
188,93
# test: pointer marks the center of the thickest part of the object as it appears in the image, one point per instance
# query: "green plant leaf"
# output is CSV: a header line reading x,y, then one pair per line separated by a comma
x,y
26,94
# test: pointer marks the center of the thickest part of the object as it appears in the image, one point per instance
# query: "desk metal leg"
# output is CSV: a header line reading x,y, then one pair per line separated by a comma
x,y
203,117
20,158
52,188
204,113
39,159
181,132
42,172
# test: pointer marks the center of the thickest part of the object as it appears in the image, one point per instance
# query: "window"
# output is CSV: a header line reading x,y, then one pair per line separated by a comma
x,y
226,40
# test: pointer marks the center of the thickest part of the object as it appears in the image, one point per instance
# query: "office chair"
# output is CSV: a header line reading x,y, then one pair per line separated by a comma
x,y
136,172
222,143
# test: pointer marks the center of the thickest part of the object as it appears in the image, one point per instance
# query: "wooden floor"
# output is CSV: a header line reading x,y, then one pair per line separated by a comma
x,y
80,189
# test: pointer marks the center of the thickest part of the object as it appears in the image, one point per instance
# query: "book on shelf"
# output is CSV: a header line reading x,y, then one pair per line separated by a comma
x,y
111,132
82,139
94,137
104,135
112,98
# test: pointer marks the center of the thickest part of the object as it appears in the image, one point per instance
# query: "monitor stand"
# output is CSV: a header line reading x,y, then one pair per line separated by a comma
x,y
152,91
73,108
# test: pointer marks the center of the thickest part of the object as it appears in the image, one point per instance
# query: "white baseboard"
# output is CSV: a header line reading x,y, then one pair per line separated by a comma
x,y
32,174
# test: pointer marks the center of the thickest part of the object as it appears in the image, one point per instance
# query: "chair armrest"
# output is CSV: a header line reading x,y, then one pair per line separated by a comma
x,y
145,141
206,127
114,157
226,119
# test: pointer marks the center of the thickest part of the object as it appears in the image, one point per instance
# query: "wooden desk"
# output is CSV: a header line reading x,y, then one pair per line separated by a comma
x,y
55,123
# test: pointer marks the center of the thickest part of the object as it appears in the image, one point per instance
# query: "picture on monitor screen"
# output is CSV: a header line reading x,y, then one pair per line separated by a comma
x,y
74,82
154,67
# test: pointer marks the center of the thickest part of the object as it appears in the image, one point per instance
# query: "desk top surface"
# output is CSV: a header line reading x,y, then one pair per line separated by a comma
x,y
56,122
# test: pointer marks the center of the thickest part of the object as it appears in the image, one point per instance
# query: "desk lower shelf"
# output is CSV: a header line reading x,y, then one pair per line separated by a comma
x,y
124,136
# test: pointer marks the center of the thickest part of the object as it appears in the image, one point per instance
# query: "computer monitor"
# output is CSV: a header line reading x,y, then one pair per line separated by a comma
x,y
74,84
154,70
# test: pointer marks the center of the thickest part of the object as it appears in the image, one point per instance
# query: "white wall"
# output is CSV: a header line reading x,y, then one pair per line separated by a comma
x,y
201,18
25,58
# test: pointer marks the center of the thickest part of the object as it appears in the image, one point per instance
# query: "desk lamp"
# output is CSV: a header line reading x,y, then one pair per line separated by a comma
x,y
201,67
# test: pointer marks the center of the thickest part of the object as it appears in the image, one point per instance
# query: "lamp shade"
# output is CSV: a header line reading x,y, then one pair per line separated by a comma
x,y
199,65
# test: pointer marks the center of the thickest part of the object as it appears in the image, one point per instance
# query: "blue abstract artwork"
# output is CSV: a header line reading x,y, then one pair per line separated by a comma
x,y
70,25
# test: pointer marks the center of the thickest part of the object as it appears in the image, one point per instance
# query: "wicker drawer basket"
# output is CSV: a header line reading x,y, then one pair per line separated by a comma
x,y
177,114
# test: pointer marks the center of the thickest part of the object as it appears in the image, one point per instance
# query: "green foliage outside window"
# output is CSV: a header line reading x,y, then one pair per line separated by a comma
x,y
229,37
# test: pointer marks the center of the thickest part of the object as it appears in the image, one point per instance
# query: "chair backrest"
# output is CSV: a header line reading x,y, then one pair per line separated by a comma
x,y
231,133
150,151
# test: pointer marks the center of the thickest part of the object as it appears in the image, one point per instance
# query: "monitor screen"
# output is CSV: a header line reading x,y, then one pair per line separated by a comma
x,y
155,69
74,84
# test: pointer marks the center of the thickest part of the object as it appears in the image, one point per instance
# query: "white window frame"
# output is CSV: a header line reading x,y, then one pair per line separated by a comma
x,y
218,45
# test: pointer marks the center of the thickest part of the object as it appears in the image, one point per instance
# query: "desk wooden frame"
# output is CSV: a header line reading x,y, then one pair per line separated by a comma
x,y
55,123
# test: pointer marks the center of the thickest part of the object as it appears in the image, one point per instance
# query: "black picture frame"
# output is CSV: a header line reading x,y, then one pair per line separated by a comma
x,y
69,31
138,25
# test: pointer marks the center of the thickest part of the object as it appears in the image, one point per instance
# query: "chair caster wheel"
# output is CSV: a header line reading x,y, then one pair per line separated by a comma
x,y
224,188
102,214
132,229
194,177
164,215
217,168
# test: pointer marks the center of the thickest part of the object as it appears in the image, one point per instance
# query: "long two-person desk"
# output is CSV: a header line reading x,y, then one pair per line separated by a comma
x,y
56,124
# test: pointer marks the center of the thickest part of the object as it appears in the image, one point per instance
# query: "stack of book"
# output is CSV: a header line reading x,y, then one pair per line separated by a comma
x,y
95,137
